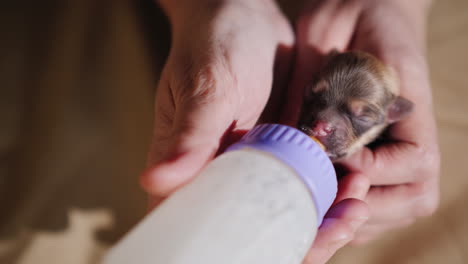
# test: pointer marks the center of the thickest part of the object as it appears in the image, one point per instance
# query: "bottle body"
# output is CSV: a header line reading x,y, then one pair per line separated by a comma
x,y
246,207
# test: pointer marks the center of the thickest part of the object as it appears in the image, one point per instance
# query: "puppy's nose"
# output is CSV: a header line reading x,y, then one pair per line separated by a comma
x,y
321,129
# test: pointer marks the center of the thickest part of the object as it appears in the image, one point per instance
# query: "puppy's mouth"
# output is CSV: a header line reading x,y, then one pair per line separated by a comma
x,y
306,129
320,139
332,145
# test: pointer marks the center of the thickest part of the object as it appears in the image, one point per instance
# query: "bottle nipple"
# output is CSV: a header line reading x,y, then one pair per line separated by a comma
x,y
318,142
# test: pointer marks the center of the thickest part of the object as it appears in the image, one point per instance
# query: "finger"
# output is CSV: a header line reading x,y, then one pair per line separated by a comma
x,y
396,163
352,185
337,229
325,26
369,232
165,176
197,131
379,163
337,233
402,202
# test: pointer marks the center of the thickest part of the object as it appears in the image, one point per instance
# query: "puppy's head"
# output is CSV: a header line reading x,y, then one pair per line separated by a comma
x,y
350,102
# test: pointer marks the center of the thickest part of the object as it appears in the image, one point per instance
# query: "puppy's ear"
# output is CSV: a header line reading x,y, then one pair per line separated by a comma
x,y
315,87
399,109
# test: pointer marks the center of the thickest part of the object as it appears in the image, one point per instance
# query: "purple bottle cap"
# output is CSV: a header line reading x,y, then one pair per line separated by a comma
x,y
302,154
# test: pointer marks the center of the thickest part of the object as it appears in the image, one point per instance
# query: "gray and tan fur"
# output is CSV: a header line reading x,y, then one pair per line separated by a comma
x,y
350,102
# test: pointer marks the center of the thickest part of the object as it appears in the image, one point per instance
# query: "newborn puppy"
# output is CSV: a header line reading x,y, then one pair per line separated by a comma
x,y
350,102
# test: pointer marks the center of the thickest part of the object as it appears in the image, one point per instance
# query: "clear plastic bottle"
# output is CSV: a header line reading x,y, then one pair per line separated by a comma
x,y
260,202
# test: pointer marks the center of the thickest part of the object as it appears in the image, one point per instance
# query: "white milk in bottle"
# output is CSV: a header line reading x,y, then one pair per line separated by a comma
x,y
260,202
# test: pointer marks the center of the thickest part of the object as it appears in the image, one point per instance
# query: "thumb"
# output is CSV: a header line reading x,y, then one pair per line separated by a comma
x,y
337,229
192,141
323,27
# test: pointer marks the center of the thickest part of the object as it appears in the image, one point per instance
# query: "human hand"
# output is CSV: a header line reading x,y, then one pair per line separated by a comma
x,y
399,179
215,83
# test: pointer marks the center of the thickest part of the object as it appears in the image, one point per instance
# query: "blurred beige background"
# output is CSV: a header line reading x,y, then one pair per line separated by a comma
x,y
77,80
